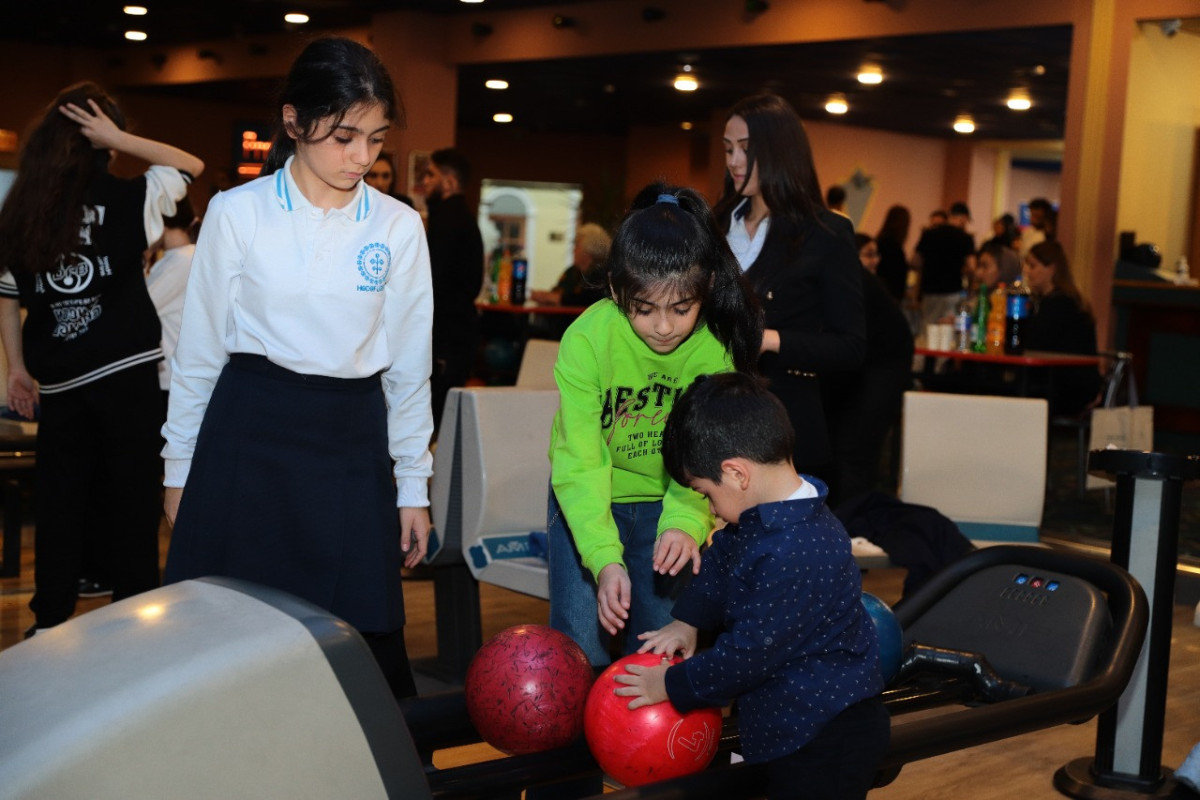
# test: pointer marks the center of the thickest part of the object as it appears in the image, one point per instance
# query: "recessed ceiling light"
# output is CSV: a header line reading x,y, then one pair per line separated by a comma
x,y
687,126
1018,100
470,1
502,117
496,83
135,11
686,81
964,123
135,36
836,104
296,18
870,74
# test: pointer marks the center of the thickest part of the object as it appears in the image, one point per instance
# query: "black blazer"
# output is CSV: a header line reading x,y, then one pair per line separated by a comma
x,y
809,281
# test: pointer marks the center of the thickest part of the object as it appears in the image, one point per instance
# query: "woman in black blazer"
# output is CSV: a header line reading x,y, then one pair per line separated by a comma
x,y
801,260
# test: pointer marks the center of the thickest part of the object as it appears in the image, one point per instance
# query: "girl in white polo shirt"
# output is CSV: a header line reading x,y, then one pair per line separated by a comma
x,y
299,417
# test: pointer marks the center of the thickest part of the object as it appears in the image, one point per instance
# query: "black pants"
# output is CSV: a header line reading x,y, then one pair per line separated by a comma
x,y
840,763
98,442
858,427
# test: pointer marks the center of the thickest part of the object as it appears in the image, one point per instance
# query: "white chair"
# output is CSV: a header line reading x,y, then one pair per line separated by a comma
x,y
537,365
491,475
978,459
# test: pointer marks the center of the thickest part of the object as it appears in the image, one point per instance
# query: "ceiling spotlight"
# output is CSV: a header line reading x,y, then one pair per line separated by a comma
x,y
964,123
502,117
559,21
496,83
135,11
686,81
836,104
296,18
870,74
470,1
1018,100
687,126
135,36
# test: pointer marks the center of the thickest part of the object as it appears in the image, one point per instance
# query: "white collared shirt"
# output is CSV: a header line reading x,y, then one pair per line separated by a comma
x,y
345,293
745,247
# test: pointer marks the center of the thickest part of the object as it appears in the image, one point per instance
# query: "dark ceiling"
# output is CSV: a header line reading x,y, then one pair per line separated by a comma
x,y
928,79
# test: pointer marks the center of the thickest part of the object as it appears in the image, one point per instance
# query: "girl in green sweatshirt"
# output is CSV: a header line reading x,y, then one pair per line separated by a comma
x,y
623,536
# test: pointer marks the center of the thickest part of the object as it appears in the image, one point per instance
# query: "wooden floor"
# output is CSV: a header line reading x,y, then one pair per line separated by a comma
x,y
1018,767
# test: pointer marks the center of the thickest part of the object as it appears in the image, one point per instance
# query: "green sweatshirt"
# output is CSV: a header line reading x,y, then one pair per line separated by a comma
x,y
615,394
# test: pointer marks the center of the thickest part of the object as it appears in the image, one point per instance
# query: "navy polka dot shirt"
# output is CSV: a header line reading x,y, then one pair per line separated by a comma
x,y
796,647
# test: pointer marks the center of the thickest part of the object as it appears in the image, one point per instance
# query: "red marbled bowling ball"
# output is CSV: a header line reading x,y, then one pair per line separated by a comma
x,y
651,743
526,688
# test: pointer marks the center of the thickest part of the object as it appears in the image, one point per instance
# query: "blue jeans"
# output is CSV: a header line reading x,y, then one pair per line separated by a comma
x,y
573,608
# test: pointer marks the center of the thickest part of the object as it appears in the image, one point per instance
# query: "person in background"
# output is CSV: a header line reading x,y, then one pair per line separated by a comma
x,y
577,286
299,422
580,285
835,199
1061,322
945,256
382,177
1004,232
893,263
996,263
865,404
623,537
1042,219
456,257
796,649
72,237
801,261
166,281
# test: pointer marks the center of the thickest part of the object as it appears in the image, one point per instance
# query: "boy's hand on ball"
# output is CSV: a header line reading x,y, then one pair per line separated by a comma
x,y
646,685
675,637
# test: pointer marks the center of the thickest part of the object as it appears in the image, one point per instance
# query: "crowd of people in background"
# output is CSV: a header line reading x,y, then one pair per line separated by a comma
x,y
248,366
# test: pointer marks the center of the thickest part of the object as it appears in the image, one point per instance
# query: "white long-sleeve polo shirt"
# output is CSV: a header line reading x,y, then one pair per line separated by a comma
x,y
345,293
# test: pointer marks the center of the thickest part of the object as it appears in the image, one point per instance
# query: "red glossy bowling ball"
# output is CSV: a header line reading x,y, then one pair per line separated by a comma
x,y
652,743
526,689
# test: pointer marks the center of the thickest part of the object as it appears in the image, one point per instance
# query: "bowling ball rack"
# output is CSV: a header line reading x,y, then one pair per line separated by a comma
x,y
440,721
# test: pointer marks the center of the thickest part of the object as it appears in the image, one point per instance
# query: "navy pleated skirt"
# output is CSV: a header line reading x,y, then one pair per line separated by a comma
x,y
291,487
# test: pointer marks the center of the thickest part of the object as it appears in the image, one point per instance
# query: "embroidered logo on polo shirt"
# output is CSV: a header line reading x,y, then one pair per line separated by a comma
x,y
374,261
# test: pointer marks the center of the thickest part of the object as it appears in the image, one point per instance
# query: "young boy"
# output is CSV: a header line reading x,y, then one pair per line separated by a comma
x,y
797,649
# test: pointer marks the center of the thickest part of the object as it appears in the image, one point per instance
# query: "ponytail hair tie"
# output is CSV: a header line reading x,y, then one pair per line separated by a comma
x,y
667,198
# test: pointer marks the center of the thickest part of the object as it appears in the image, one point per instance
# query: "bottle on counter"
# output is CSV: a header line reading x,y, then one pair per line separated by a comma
x,y
520,272
995,320
962,322
979,329
1016,318
493,275
504,279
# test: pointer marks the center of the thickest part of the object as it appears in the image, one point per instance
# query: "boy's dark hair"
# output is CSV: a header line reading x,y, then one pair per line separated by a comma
x,y
727,415
670,239
834,196
330,76
450,160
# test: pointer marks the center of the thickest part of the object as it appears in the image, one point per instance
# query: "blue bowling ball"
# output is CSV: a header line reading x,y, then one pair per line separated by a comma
x,y
891,635
502,355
